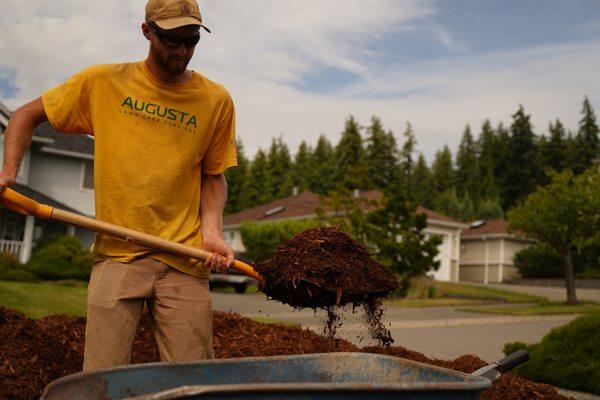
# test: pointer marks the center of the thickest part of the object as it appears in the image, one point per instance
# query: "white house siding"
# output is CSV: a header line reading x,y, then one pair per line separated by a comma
x,y
233,237
448,251
61,177
501,249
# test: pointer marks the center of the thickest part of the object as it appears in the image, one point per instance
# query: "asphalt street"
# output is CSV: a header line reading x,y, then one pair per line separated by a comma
x,y
439,332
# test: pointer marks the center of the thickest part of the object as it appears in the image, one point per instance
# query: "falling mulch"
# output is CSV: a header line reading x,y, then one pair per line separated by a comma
x,y
35,352
326,268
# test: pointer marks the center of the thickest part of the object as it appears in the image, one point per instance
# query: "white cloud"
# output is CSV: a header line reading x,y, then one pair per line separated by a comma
x,y
259,48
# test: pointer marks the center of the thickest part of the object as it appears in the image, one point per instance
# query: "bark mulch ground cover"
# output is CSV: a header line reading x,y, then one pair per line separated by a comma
x,y
326,268
35,352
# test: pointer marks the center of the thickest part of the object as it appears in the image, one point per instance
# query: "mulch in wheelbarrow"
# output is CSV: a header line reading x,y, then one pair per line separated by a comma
x,y
326,268
35,352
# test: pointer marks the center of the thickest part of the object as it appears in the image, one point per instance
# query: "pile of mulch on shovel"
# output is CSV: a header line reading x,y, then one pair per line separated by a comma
x,y
325,268
35,352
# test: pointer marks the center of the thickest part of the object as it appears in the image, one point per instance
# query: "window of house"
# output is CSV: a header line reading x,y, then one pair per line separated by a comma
x,y
88,174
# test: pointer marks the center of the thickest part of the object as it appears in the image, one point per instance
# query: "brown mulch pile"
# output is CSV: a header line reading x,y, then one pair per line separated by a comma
x,y
324,267
35,352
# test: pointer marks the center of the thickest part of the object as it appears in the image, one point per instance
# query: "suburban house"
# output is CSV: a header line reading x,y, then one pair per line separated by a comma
x,y
487,250
56,170
303,206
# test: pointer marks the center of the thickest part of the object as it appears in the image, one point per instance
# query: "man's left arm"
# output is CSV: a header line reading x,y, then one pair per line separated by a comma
x,y
212,204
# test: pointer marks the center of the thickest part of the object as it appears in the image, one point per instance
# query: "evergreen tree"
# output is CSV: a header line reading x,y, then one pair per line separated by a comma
x,y
451,204
323,168
237,179
279,163
442,171
467,170
301,169
553,151
381,155
588,140
522,172
501,156
414,254
350,158
422,187
490,208
572,152
406,159
259,182
486,144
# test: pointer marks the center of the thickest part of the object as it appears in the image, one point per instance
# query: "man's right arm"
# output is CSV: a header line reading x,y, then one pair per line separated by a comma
x,y
17,139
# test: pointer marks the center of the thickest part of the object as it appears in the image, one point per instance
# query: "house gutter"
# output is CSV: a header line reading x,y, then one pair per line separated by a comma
x,y
67,153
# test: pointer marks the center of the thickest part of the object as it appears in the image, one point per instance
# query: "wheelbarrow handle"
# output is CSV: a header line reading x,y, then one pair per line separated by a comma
x,y
24,205
495,370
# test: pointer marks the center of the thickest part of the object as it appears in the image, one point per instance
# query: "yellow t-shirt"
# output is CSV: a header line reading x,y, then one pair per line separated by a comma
x,y
153,141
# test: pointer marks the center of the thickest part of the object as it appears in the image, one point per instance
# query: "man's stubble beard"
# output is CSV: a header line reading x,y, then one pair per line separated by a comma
x,y
172,66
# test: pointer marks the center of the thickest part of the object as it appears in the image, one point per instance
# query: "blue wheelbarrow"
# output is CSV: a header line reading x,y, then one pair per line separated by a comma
x,y
312,376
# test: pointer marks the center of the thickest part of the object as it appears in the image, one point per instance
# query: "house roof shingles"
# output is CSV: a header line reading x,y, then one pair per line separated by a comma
x,y
62,141
41,198
304,205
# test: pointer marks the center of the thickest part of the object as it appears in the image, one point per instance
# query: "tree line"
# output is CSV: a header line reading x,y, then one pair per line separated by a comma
x,y
489,173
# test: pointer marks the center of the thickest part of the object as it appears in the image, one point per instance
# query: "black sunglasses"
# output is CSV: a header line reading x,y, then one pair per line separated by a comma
x,y
174,40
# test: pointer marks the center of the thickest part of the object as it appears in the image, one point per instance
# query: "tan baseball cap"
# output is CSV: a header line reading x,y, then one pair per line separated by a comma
x,y
171,14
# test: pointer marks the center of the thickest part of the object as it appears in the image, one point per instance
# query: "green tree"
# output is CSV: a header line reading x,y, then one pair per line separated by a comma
x,y
302,167
279,163
350,158
237,179
523,171
407,163
262,238
467,168
323,168
565,215
396,232
381,155
259,180
588,141
490,208
501,158
451,204
486,144
342,208
422,188
442,171
553,151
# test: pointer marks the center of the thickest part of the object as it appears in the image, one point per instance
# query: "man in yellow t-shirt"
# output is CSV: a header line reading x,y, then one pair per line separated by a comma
x,y
163,136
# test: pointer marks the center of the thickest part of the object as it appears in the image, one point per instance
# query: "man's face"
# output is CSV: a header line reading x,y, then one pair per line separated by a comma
x,y
172,59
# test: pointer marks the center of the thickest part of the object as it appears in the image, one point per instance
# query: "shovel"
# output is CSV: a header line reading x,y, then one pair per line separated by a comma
x,y
24,205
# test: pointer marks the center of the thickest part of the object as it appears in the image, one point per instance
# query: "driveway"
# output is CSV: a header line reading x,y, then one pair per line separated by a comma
x,y
439,332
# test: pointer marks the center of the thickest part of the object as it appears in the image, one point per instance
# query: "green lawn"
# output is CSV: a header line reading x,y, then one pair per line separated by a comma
x,y
251,289
538,309
47,298
435,302
40,299
425,292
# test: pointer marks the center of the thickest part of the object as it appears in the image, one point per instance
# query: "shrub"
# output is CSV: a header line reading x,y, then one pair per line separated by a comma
x,y
12,270
568,356
261,239
61,258
539,261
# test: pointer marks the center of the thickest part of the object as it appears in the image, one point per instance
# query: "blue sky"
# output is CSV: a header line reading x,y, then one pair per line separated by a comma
x,y
299,68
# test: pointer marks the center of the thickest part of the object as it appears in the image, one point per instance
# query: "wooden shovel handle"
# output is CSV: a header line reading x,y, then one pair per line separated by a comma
x,y
25,205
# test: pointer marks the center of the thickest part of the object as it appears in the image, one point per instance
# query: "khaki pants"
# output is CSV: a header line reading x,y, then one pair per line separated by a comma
x,y
180,305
